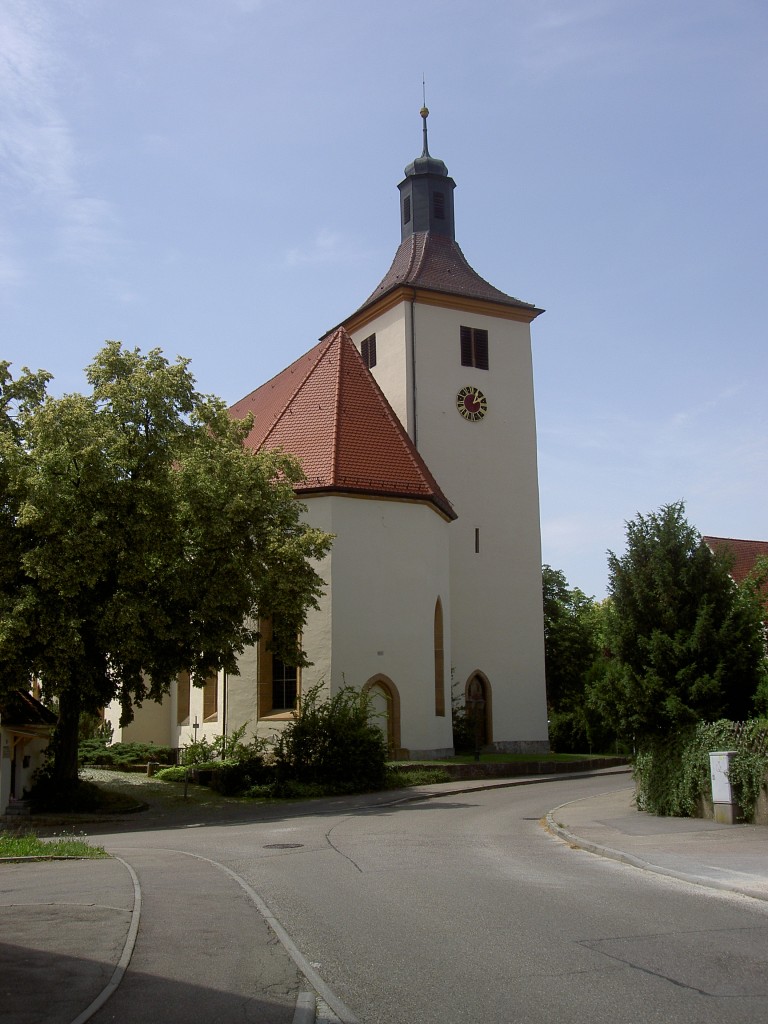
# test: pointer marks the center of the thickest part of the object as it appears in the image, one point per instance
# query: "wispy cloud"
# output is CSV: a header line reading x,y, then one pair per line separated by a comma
x,y
326,247
11,272
38,152
563,34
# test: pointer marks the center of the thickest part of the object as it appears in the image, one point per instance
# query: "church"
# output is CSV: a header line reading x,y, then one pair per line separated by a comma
x,y
414,422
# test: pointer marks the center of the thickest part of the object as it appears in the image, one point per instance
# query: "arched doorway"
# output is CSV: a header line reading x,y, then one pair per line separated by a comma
x,y
479,708
385,705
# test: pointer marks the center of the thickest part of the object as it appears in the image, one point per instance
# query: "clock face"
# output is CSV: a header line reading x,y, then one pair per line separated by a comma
x,y
471,403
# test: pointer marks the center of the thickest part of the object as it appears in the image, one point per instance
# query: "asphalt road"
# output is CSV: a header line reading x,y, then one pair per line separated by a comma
x,y
464,909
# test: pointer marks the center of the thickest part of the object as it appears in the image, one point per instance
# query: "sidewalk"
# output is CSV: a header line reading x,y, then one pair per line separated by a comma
x,y
74,927
74,924
729,857
733,858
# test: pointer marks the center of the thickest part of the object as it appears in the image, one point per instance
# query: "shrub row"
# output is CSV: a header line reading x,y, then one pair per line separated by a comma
x,y
123,755
332,746
673,774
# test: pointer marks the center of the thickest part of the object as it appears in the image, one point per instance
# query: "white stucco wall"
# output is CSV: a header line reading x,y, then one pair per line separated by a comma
x,y
152,723
488,470
388,566
32,751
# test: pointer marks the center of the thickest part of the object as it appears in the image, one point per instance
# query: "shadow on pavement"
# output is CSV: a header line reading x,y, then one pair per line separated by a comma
x,y
55,988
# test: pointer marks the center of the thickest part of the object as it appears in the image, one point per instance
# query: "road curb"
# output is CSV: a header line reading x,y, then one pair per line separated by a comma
x,y
456,788
125,958
561,832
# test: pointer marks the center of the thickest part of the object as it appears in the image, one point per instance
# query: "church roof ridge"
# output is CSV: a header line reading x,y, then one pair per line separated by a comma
x,y
327,410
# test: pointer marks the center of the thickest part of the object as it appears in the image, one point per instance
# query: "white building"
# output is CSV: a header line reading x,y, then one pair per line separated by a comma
x,y
414,422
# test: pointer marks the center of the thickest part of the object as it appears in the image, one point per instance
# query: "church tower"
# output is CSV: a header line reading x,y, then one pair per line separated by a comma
x,y
452,354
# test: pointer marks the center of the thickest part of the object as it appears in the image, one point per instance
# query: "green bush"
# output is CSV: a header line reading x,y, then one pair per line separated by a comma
x,y
122,755
224,748
177,773
331,743
672,775
233,778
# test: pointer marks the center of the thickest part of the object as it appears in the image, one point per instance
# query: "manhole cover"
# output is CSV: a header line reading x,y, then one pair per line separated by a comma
x,y
283,846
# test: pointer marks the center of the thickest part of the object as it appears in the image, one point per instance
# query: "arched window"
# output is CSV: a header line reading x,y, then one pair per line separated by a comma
x,y
385,705
478,702
439,661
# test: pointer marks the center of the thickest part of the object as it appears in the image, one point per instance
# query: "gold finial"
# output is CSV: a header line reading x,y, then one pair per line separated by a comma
x,y
424,112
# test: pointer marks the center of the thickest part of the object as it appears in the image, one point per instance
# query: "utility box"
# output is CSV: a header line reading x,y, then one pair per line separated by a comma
x,y
722,792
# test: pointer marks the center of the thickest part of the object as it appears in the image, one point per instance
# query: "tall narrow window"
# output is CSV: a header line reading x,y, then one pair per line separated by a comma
x,y
439,661
474,347
211,698
438,205
477,540
278,681
368,351
284,685
182,698
406,210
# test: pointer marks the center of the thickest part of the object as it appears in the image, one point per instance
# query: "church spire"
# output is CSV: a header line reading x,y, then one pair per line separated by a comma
x,y
426,193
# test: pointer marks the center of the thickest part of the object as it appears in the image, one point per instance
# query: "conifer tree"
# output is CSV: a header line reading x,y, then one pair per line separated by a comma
x,y
687,644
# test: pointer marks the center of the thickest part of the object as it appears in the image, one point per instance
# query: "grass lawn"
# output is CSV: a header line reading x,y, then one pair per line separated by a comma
x,y
59,846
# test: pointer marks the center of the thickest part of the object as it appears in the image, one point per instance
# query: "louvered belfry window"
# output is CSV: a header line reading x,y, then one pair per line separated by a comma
x,y
406,210
368,351
438,205
474,347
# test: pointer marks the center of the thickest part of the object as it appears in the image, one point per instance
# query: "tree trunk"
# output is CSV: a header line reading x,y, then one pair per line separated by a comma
x,y
65,741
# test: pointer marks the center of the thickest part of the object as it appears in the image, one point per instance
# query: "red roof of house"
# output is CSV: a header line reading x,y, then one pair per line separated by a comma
x,y
20,708
745,553
436,263
328,411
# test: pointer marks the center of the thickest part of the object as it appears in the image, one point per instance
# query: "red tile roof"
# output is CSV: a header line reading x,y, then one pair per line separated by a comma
x,y
744,552
20,708
436,263
328,411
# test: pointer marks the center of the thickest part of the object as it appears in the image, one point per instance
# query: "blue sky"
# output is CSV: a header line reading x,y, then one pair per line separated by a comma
x,y
218,178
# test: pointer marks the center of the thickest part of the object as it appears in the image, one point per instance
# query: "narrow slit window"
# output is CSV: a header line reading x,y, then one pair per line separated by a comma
x,y
368,351
439,661
474,347
477,540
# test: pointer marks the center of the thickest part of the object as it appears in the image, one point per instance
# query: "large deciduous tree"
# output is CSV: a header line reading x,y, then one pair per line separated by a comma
x,y
143,539
687,643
